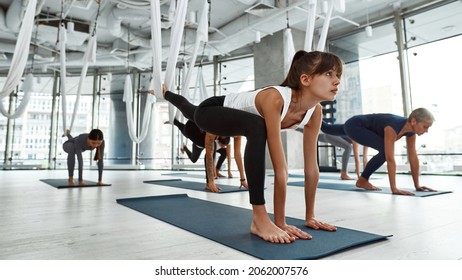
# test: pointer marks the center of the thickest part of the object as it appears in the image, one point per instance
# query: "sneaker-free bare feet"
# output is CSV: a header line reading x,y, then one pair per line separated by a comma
x,y
345,176
70,181
364,184
212,187
263,227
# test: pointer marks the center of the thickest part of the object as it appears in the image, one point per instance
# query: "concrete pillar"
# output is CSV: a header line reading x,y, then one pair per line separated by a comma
x,y
269,70
119,139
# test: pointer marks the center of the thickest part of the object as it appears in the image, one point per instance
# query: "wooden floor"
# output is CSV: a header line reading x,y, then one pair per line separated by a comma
x,y
39,222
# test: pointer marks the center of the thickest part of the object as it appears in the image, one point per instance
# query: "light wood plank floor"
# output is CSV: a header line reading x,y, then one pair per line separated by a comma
x,y
39,222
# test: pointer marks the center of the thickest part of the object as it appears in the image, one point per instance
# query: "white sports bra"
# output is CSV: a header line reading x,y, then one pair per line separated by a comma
x,y
245,101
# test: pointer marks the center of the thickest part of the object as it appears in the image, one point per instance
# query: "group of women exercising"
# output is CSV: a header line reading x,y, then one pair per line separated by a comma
x,y
261,115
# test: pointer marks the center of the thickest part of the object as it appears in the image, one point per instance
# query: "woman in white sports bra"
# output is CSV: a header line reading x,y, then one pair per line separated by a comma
x,y
260,116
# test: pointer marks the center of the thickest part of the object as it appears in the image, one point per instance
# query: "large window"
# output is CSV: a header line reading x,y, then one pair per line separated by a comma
x,y
371,81
434,74
29,134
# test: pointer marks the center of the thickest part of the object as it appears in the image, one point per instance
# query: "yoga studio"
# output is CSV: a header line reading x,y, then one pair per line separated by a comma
x,y
231,130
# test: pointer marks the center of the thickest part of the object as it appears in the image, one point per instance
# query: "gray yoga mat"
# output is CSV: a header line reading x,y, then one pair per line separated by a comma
x,y
229,226
63,184
197,186
349,187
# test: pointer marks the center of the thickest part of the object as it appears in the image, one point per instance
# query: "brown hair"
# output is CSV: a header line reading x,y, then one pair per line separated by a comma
x,y
311,63
96,135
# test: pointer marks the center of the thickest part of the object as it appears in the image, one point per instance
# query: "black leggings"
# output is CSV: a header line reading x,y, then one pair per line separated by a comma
x,y
212,117
188,109
221,158
195,154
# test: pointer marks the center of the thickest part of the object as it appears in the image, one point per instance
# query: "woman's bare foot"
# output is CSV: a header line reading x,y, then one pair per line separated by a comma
x,y
344,176
212,187
264,228
70,181
364,184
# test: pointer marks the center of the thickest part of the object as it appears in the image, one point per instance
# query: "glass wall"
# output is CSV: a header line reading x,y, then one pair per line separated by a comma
x,y
434,75
371,81
25,139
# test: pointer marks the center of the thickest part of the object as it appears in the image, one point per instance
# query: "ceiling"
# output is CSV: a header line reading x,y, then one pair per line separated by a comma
x,y
233,25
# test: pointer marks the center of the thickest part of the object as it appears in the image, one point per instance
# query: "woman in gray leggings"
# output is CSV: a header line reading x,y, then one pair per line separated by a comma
x,y
84,142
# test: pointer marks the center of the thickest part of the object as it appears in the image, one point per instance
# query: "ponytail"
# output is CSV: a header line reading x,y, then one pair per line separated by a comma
x,y
311,63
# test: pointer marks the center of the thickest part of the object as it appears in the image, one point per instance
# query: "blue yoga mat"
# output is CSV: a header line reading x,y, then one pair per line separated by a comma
x,y
63,184
230,225
322,176
184,174
348,187
197,186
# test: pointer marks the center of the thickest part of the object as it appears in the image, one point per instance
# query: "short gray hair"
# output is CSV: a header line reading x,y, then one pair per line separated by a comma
x,y
421,115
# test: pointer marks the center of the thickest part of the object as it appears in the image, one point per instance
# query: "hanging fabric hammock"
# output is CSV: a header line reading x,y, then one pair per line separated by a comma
x,y
128,99
89,57
175,43
289,49
28,88
310,25
325,27
200,86
19,59
156,82
62,80
201,36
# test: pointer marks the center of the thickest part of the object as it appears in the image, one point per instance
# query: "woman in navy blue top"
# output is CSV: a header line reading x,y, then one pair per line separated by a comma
x,y
380,132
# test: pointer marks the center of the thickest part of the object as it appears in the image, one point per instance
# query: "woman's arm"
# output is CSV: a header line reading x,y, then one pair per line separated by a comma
x,y
414,163
356,157
270,103
310,151
389,141
238,159
101,164
209,162
228,159
389,144
413,159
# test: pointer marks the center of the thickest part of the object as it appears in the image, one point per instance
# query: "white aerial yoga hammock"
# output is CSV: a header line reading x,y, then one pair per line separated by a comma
x,y
89,57
201,36
175,42
289,50
310,25
128,99
339,5
200,85
28,88
325,27
156,82
19,60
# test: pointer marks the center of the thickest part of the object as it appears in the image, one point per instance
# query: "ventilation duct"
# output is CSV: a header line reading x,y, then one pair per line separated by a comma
x,y
262,8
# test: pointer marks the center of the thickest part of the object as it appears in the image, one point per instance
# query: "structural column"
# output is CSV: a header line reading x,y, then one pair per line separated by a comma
x,y
269,70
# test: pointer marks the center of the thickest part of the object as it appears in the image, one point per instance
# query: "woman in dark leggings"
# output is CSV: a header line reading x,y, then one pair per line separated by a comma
x,y
195,134
380,132
74,146
197,137
202,139
259,116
